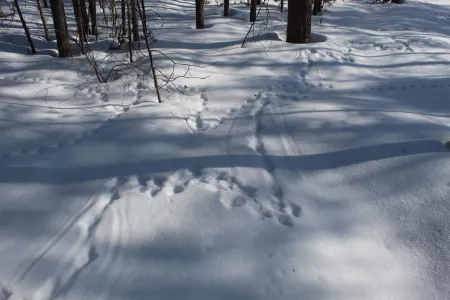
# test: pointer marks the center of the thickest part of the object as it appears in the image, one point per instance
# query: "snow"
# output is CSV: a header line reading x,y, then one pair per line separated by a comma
x,y
284,171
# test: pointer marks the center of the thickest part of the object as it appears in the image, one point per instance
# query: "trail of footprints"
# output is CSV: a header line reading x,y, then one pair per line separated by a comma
x,y
232,192
56,145
196,117
117,111
283,208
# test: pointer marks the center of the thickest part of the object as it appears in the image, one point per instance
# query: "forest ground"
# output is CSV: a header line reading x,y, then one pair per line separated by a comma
x,y
285,172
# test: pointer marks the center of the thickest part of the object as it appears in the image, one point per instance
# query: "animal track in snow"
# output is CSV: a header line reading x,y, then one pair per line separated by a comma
x,y
117,110
152,185
277,205
197,106
73,257
60,144
97,93
381,46
231,191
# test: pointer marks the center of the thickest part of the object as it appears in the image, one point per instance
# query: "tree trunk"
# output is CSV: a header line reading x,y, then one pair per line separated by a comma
x,y
79,21
282,5
199,15
113,12
299,21
61,32
45,4
134,20
226,8
85,19
102,6
25,28
258,2
317,7
44,23
124,18
147,43
93,15
253,11
130,45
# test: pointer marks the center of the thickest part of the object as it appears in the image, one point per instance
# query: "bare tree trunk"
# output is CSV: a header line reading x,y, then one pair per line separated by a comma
x,y
113,14
199,14
317,7
45,4
25,28
124,18
85,19
134,20
282,5
61,32
79,21
130,46
253,11
226,8
299,21
102,6
147,42
93,15
258,2
44,23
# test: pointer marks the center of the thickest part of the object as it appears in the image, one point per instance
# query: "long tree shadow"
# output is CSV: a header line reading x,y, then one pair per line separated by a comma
x,y
313,162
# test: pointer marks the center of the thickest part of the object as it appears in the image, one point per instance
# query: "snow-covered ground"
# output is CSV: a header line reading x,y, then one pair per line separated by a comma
x,y
285,172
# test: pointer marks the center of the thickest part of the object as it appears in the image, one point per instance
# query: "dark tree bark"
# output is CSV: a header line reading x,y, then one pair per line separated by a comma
x,y
130,45
299,21
102,6
61,32
147,43
199,15
45,3
258,2
79,21
226,8
85,18
134,20
124,18
317,7
24,25
44,23
253,11
113,11
93,15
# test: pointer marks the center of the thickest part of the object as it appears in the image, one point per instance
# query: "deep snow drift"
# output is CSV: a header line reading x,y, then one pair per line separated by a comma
x,y
288,172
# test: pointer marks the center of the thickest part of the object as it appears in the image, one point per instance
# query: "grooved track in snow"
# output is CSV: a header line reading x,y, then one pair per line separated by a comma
x,y
72,245
268,200
280,205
